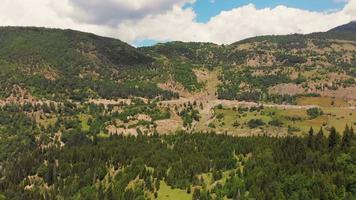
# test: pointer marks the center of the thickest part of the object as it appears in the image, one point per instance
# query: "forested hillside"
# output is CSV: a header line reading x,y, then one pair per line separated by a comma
x,y
54,64
81,66
90,117
81,163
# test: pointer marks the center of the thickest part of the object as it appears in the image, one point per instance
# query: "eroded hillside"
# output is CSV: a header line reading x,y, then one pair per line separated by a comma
x,y
197,86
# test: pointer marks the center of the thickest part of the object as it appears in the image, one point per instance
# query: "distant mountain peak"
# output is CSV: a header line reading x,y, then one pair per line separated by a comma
x,y
350,27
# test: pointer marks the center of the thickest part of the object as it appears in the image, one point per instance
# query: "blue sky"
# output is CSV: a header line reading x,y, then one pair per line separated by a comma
x,y
206,9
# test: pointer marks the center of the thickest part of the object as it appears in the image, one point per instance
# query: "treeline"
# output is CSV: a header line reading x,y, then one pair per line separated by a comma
x,y
314,167
68,87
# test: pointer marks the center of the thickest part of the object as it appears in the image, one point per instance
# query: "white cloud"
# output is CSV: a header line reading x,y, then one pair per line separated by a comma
x,y
239,23
44,13
166,20
113,12
177,24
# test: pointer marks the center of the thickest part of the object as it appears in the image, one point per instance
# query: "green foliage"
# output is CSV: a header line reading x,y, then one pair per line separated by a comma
x,y
183,74
69,64
232,80
314,112
333,138
139,107
290,59
79,169
276,123
189,115
254,123
62,64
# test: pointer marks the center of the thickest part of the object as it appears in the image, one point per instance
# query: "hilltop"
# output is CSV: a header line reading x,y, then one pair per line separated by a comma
x,y
53,63
350,27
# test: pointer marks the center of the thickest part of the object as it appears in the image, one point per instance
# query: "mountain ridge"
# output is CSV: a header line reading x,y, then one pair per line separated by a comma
x,y
56,63
350,27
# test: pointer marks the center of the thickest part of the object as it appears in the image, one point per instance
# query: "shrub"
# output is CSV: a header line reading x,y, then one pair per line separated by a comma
x,y
254,123
314,112
276,122
211,125
236,124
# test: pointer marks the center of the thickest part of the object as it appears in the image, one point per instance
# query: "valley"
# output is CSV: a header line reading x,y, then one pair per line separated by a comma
x,y
90,117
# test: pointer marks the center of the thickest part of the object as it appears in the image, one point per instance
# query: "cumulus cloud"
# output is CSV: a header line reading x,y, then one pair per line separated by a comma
x,y
238,23
166,20
45,13
113,12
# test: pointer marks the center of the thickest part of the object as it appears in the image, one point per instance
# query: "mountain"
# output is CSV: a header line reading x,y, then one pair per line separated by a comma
x,y
55,63
350,27
54,46
89,117
270,68
62,64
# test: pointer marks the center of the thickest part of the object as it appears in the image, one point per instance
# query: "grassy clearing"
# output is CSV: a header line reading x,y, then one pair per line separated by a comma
x,y
298,118
167,193
322,101
210,183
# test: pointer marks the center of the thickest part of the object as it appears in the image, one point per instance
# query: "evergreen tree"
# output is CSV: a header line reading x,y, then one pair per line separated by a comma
x,y
189,189
333,138
50,173
311,138
352,133
319,140
196,194
346,139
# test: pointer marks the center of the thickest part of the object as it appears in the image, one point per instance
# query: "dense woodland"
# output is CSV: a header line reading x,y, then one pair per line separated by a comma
x,y
89,166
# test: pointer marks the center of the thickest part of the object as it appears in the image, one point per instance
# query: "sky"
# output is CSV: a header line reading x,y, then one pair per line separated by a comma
x,y
146,22
206,9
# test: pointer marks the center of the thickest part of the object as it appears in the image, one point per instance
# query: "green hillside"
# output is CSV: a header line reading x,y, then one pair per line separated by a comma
x,y
253,67
89,117
55,63
61,64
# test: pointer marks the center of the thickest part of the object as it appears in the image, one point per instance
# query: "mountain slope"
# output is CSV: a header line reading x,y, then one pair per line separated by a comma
x,y
350,27
62,64
55,47
73,144
66,63
274,69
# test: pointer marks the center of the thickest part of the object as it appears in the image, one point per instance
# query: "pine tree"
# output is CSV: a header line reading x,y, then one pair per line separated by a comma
x,y
333,138
346,139
49,177
311,138
319,140
196,194
352,133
